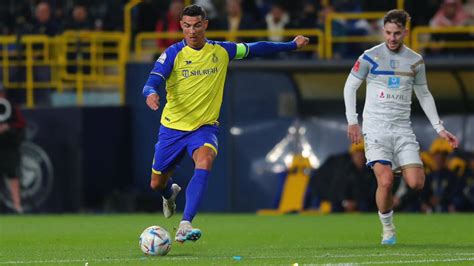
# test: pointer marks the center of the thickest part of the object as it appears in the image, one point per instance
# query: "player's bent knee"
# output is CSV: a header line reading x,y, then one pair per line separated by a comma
x,y
415,179
156,184
418,184
205,162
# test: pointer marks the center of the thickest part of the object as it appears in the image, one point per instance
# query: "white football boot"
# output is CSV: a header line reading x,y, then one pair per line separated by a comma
x,y
389,237
169,205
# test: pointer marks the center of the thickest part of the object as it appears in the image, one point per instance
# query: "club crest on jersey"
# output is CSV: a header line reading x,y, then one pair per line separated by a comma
x,y
162,58
394,63
186,73
214,58
393,82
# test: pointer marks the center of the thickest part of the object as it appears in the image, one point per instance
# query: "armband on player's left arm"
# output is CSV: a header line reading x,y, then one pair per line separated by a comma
x,y
429,107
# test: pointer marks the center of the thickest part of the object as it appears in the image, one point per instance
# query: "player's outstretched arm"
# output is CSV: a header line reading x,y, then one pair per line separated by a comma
x,y
264,48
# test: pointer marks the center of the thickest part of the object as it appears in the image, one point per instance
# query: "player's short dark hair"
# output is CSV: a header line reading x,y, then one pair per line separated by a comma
x,y
397,16
194,11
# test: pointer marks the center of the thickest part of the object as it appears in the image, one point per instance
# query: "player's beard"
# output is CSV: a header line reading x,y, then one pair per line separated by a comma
x,y
396,46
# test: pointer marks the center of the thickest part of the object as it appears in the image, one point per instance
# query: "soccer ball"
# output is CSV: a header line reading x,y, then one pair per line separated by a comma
x,y
155,241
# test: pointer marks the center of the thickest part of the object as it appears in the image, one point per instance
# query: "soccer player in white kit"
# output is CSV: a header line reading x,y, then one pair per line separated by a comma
x,y
392,72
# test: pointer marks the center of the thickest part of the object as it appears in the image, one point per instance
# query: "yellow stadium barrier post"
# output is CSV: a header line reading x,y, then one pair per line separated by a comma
x,y
29,76
80,82
122,70
127,23
400,4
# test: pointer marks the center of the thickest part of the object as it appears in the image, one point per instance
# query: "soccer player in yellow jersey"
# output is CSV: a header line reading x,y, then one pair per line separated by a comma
x,y
194,70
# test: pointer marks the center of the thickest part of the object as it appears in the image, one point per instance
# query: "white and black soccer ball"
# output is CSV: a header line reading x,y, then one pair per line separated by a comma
x,y
155,241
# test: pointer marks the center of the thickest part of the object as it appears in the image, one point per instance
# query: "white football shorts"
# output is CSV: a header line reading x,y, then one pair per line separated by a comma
x,y
400,149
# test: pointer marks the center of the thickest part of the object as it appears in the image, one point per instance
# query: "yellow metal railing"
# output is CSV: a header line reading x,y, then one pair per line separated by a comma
x,y
127,23
73,59
21,58
330,40
420,37
141,49
331,17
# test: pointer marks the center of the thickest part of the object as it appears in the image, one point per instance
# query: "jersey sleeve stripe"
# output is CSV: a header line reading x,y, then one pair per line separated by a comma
x,y
158,74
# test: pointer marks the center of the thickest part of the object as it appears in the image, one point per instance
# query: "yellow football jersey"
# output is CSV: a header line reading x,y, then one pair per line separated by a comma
x,y
195,82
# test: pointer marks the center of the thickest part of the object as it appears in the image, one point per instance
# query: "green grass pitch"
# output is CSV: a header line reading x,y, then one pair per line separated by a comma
x,y
238,239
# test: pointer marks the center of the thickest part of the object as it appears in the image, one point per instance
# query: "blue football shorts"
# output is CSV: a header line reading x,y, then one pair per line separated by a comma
x,y
173,144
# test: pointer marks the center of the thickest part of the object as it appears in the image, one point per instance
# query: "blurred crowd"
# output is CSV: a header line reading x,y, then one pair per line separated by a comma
x,y
274,15
52,17
345,184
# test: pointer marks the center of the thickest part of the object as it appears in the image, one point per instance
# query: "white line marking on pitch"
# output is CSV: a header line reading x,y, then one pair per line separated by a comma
x,y
394,261
328,256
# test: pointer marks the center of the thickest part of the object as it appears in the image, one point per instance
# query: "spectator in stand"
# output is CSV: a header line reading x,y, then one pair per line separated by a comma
x,y
451,13
43,22
438,194
338,29
80,19
170,23
235,19
276,20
